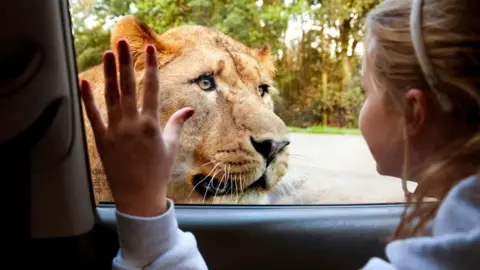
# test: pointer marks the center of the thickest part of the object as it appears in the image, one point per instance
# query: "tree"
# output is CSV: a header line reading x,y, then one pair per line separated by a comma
x,y
317,73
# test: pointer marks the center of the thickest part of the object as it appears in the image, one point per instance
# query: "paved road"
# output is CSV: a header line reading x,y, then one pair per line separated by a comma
x,y
335,169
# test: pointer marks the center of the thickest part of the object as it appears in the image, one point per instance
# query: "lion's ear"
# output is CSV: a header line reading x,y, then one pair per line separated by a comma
x,y
138,36
264,55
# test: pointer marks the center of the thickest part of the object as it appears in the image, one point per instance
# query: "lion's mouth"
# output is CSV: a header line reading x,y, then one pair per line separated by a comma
x,y
208,186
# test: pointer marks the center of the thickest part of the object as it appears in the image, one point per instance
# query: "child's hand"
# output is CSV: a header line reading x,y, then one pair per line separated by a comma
x,y
136,156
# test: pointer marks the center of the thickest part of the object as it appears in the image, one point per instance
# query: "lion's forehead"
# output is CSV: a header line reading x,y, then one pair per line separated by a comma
x,y
247,68
216,44
195,35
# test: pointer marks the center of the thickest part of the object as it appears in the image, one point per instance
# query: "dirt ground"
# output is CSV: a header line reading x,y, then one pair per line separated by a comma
x,y
335,169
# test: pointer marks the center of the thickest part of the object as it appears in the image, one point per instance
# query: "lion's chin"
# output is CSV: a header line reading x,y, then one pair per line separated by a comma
x,y
249,197
228,192
211,187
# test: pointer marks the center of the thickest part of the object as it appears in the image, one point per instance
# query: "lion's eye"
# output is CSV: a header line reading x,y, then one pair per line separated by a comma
x,y
206,82
263,89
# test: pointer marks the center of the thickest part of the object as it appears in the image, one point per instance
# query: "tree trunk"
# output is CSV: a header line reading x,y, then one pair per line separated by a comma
x,y
324,95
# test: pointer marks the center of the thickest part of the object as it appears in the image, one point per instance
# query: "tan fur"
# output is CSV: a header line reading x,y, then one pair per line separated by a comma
x,y
215,141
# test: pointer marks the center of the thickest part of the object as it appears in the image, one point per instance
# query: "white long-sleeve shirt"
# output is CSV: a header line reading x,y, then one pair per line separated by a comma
x,y
158,243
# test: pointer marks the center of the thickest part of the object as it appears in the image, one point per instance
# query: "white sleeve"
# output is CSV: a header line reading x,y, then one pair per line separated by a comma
x,y
455,240
155,243
378,264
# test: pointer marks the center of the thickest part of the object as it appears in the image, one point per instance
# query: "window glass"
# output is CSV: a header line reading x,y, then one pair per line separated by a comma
x,y
313,101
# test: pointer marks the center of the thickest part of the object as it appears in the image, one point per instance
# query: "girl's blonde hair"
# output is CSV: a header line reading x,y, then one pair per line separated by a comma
x,y
432,45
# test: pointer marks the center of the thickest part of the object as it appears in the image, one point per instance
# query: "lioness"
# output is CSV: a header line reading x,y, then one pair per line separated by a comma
x,y
234,148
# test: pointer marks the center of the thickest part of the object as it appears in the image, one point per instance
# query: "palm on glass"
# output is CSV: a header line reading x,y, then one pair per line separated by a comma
x,y
137,155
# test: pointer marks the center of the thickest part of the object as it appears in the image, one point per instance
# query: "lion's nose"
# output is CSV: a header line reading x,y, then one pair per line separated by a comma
x,y
268,148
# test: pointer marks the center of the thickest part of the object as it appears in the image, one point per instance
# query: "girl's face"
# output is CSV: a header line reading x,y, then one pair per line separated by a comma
x,y
380,125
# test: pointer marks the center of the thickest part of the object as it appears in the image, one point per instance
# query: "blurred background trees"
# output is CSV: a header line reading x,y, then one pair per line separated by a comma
x,y
317,44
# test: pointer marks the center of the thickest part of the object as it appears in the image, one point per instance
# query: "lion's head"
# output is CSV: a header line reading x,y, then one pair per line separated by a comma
x,y
234,148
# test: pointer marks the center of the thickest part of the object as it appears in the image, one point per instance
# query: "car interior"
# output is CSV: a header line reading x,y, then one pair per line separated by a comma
x,y
52,217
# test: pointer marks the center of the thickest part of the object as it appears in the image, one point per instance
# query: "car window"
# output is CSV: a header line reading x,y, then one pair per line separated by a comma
x,y
307,112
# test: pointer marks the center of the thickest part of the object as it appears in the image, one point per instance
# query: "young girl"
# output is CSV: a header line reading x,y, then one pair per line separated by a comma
x,y
421,121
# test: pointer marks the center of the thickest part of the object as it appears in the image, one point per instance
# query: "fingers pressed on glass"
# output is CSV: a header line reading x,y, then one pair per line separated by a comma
x,y
112,96
91,109
127,80
150,95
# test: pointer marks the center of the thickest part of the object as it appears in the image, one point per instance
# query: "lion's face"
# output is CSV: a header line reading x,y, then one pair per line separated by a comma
x,y
234,148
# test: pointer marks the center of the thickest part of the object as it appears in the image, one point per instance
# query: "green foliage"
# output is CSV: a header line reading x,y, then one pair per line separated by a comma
x,y
90,42
325,130
317,72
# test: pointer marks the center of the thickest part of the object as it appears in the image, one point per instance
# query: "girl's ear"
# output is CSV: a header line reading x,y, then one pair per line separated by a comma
x,y
416,111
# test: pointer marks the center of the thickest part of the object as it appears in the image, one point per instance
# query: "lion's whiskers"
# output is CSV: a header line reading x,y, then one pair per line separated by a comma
x,y
242,183
232,189
228,180
293,190
208,186
205,164
216,190
237,190
228,175
242,179
237,182
284,193
203,179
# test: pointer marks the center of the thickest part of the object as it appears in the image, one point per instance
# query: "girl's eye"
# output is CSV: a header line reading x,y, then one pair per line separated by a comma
x,y
263,89
206,82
